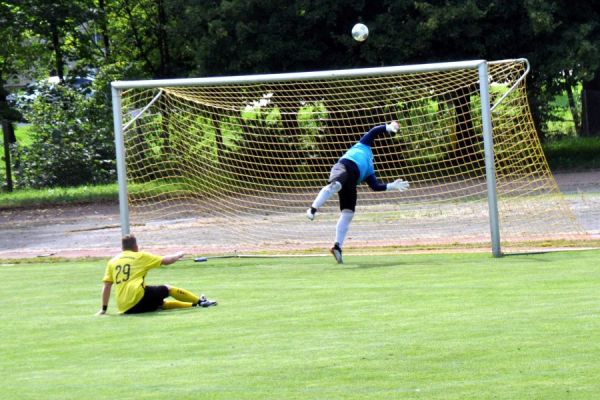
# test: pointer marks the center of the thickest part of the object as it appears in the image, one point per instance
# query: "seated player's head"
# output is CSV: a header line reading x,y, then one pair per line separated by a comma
x,y
129,242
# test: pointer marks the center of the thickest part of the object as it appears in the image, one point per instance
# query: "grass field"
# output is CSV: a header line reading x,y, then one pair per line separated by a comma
x,y
463,326
58,196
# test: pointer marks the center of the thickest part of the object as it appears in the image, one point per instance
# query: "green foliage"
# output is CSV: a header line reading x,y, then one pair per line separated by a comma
x,y
57,196
571,153
561,118
72,142
181,38
24,134
58,24
20,55
444,326
309,117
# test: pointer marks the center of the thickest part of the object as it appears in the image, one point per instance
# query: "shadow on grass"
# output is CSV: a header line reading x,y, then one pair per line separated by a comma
x,y
161,313
367,265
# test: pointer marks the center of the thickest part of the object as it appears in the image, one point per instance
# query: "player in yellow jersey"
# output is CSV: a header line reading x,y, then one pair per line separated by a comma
x,y
127,271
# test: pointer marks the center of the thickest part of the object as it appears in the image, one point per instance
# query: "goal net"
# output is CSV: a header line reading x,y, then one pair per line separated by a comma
x,y
231,164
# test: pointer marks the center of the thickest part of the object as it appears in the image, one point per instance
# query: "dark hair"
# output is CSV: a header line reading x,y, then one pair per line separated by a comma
x,y
129,242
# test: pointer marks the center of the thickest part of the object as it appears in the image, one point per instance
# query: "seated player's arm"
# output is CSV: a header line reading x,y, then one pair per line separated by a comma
x,y
106,287
170,259
374,183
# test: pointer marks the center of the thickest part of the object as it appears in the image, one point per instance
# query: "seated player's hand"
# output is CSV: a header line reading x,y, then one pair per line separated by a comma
x,y
399,184
392,127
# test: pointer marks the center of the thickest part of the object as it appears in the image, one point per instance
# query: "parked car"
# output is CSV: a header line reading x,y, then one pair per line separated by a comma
x,y
33,90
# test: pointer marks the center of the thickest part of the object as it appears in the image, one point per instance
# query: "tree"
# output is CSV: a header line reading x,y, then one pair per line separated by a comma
x,y
566,52
18,55
54,21
257,36
182,38
137,32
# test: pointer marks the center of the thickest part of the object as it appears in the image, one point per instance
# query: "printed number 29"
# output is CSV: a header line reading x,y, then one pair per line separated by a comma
x,y
126,270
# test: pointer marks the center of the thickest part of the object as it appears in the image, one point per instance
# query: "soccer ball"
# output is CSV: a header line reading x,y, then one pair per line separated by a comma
x,y
360,32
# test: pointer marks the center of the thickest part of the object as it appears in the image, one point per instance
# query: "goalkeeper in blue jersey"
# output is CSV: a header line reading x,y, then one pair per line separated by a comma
x,y
355,167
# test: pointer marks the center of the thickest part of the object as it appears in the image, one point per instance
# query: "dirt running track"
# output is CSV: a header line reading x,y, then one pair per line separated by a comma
x,y
94,230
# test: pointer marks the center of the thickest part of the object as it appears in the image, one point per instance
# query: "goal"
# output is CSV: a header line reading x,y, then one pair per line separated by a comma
x,y
230,164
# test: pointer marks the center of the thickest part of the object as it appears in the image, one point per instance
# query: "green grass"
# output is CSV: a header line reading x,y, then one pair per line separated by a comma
x,y
23,133
411,327
54,196
573,153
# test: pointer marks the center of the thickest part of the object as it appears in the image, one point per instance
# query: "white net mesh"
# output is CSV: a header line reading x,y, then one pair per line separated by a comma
x,y
233,167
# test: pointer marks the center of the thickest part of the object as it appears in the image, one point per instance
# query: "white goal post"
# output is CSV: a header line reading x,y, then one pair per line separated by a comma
x,y
245,155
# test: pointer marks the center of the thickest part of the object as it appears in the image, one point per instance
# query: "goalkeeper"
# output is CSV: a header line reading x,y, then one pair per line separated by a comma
x,y
355,167
127,271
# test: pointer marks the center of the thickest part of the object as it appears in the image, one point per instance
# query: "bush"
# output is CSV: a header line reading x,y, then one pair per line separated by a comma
x,y
71,142
573,153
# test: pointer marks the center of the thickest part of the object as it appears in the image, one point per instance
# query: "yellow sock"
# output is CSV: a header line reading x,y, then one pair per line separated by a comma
x,y
171,304
183,295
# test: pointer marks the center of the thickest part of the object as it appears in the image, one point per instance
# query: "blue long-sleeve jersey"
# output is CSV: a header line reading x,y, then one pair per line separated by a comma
x,y
362,156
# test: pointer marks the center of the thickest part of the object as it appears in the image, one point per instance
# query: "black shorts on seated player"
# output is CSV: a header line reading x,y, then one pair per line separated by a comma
x,y
154,297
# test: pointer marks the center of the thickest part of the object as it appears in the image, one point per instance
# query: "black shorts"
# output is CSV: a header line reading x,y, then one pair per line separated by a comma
x,y
346,173
153,299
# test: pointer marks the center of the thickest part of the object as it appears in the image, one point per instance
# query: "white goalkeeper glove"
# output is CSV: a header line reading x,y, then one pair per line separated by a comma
x,y
399,184
392,127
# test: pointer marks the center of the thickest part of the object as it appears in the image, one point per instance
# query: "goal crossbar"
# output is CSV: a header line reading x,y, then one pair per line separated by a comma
x,y
298,76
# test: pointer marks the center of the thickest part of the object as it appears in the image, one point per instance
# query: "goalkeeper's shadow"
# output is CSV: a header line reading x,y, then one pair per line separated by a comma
x,y
374,264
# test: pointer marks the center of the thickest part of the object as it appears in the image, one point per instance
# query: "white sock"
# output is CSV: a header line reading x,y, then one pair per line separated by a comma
x,y
341,229
326,193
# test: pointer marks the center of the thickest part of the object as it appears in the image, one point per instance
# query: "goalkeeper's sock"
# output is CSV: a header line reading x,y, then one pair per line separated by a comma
x,y
183,295
341,229
172,304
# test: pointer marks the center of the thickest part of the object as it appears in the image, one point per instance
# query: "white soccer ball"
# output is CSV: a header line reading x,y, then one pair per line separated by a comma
x,y
360,32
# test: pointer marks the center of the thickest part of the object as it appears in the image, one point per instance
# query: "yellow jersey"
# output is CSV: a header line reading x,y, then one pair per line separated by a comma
x,y
127,272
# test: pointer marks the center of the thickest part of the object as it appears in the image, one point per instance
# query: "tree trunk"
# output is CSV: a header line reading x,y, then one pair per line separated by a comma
x,y
137,38
591,107
218,136
9,137
58,57
163,44
467,152
104,29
